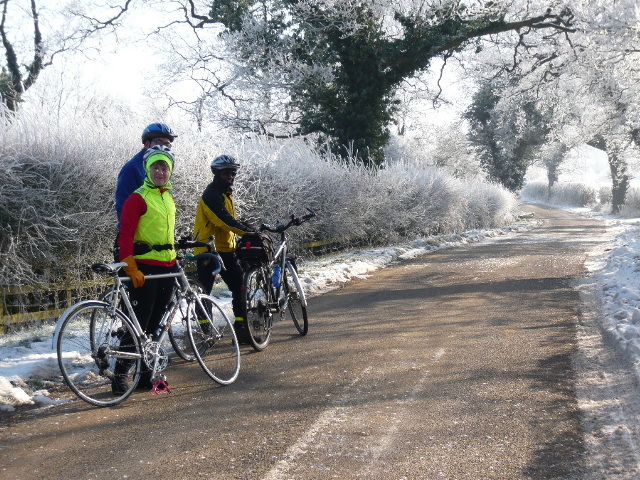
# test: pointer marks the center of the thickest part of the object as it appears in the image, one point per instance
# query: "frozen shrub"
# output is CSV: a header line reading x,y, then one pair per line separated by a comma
x,y
57,184
631,207
605,195
574,194
535,191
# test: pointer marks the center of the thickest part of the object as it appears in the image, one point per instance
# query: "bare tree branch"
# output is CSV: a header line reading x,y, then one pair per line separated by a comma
x,y
18,75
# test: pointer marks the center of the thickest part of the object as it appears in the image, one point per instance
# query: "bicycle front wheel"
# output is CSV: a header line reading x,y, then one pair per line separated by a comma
x,y
213,339
179,332
296,301
255,299
98,348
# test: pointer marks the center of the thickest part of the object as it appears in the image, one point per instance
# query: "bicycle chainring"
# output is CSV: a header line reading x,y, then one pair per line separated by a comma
x,y
152,350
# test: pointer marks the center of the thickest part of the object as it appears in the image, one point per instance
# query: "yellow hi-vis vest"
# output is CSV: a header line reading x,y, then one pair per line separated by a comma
x,y
157,225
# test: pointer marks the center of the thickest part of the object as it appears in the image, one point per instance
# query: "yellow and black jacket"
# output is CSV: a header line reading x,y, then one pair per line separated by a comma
x,y
216,215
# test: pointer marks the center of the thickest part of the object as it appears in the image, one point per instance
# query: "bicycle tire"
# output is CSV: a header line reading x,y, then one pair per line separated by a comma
x,y
296,302
213,339
88,347
255,301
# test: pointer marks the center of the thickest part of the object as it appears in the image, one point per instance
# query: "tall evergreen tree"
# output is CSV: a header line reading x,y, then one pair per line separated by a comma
x,y
509,141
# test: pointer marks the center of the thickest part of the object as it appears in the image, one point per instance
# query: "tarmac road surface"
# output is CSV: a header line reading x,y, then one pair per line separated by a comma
x,y
455,365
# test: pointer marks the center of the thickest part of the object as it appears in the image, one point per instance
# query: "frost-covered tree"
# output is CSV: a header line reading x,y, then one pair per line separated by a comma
x,y
552,155
331,68
508,140
596,95
586,87
444,147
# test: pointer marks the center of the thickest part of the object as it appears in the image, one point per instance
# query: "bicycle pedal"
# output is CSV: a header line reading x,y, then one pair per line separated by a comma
x,y
159,386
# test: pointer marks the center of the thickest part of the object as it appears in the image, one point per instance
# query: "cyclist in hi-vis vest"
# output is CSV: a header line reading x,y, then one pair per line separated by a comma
x,y
216,215
146,245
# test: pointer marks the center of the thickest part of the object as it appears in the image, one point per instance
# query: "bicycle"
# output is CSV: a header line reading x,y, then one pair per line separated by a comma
x,y
93,336
178,334
271,285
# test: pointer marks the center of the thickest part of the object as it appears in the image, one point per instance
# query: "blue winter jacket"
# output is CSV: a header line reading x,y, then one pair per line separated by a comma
x,y
131,177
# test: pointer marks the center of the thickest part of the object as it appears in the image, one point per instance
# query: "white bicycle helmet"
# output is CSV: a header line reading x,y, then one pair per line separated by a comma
x,y
161,151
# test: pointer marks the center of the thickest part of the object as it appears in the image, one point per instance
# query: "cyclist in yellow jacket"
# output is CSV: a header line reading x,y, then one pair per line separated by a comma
x,y
146,245
216,215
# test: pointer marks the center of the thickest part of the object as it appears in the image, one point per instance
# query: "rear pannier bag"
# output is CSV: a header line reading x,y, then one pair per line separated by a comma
x,y
255,247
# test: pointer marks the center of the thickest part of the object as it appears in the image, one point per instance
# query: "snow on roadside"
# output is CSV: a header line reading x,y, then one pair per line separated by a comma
x,y
617,276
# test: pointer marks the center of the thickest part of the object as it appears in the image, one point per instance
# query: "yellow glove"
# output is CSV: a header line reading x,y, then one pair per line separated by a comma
x,y
137,277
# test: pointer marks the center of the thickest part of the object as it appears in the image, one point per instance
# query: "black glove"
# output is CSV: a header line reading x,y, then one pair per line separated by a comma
x,y
249,228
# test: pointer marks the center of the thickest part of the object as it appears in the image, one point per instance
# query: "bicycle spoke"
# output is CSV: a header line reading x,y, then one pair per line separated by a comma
x,y
213,340
178,333
256,304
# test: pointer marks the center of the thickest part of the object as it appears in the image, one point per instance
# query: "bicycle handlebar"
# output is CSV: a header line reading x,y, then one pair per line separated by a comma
x,y
186,242
113,268
293,222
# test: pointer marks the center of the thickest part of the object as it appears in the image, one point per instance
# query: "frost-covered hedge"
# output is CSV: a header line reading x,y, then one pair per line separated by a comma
x,y
631,208
572,194
58,176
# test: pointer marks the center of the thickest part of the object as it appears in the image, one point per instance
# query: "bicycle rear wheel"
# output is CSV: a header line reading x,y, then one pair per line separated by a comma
x,y
213,339
96,343
108,296
296,301
255,300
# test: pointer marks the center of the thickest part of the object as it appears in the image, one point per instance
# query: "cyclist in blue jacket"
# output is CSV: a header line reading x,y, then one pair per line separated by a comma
x,y
132,173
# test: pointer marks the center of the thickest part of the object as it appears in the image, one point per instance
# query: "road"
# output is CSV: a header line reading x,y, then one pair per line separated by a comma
x,y
455,365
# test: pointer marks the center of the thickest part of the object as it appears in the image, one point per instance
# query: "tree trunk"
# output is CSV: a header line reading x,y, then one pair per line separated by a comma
x,y
619,174
619,182
552,177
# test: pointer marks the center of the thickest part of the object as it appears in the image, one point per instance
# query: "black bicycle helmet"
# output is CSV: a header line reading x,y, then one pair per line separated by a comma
x,y
224,162
156,130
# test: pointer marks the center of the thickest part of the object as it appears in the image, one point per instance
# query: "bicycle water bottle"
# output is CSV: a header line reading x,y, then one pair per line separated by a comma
x,y
275,277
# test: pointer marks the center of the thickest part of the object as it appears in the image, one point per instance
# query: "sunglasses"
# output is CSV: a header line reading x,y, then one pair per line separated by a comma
x,y
161,141
228,173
